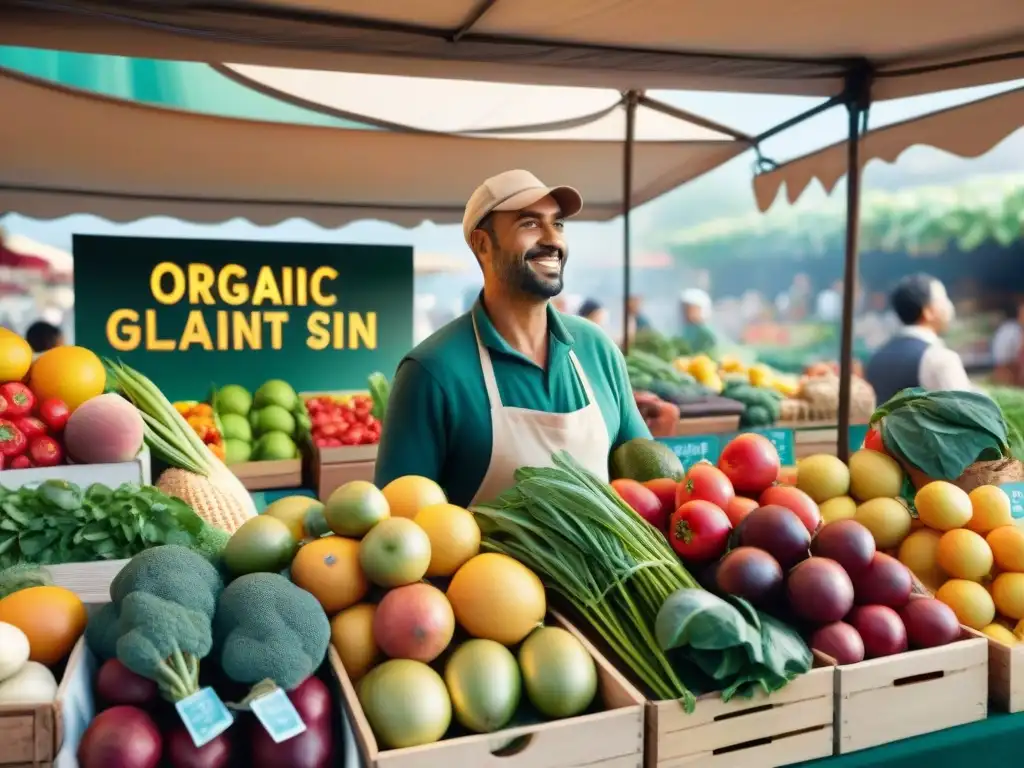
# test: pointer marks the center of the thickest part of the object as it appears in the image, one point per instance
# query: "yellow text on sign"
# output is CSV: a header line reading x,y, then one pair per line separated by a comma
x,y
236,330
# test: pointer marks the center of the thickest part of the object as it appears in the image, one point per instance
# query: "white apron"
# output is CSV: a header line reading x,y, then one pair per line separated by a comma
x,y
524,438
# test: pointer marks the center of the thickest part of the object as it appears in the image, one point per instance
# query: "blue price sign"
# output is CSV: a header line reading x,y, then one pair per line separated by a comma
x,y
1016,493
204,715
694,448
278,715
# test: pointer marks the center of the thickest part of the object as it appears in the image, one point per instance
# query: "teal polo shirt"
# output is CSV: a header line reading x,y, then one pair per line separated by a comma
x,y
438,421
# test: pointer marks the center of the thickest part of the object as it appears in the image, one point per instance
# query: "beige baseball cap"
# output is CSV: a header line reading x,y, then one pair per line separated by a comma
x,y
513,191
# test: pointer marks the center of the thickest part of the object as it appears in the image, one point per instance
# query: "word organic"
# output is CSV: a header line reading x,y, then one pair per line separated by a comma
x,y
274,291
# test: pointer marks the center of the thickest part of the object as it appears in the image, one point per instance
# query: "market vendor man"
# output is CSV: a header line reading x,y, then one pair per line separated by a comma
x,y
513,380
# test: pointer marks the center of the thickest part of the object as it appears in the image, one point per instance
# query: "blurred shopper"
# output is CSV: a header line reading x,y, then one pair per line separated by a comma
x,y
696,316
916,356
1008,350
592,310
42,336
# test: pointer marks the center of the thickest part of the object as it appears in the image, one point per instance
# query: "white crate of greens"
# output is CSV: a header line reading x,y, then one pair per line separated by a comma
x,y
135,471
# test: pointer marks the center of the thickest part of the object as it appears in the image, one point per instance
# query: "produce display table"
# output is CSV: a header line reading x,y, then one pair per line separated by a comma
x,y
986,744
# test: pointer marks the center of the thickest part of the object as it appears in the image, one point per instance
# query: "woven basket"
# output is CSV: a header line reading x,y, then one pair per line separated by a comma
x,y
976,475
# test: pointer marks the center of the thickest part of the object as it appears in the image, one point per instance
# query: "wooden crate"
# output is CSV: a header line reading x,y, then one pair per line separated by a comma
x,y
90,581
893,698
46,735
790,726
1005,675
266,475
613,738
331,468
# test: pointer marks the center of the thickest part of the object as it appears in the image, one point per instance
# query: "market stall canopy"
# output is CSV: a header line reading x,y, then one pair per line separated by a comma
x,y
71,150
969,130
785,46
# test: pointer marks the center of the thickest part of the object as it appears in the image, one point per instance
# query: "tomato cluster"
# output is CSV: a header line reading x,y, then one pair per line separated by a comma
x,y
30,428
343,422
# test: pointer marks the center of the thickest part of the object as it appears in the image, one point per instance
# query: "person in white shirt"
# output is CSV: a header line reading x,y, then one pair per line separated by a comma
x,y
916,356
1007,346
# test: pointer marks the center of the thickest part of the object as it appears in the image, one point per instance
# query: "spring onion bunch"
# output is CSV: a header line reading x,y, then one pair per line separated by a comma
x,y
587,545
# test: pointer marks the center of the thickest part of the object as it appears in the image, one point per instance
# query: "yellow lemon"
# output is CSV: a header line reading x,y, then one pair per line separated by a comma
x,y
1008,594
920,553
1007,544
970,601
963,554
454,537
497,598
887,519
990,508
942,506
408,495
839,508
1000,634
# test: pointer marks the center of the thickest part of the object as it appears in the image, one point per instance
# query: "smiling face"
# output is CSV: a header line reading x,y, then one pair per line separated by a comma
x,y
523,252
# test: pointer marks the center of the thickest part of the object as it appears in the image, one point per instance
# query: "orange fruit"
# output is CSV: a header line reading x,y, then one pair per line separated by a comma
x,y
328,569
1008,594
71,374
15,356
1007,544
454,537
970,601
964,554
990,509
943,506
497,598
408,495
920,553
52,618
352,637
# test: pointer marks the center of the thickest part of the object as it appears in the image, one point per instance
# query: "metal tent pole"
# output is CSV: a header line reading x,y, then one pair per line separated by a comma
x,y
632,99
858,98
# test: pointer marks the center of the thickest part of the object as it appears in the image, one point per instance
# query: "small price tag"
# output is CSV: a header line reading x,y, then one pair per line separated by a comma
x,y
278,715
1016,493
204,715
694,448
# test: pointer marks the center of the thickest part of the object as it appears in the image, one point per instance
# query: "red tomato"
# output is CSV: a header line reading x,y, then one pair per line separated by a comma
x,y
751,463
54,414
30,426
643,501
19,398
797,501
45,452
873,440
738,508
665,490
20,462
699,531
706,482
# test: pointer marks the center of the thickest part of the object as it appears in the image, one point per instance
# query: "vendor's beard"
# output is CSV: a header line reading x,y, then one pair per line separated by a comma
x,y
518,276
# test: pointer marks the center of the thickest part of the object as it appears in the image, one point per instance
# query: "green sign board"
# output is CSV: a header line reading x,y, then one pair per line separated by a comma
x,y
857,433
191,313
1016,493
694,448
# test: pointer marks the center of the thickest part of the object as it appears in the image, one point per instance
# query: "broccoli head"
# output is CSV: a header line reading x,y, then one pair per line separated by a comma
x,y
269,629
165,599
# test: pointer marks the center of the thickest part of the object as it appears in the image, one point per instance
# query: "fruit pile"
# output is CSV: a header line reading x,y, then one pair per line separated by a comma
x,y
39,625
346,420
426,627
819,569
263,427
971,554
53,410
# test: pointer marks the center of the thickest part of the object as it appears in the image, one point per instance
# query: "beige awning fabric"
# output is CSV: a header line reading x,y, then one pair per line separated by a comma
x,y
66,151
785,46
968,130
